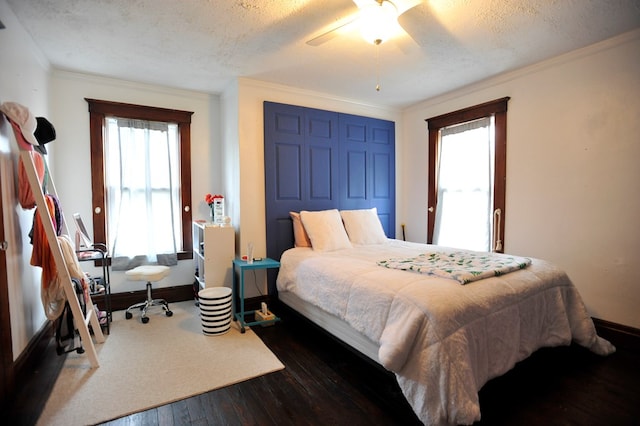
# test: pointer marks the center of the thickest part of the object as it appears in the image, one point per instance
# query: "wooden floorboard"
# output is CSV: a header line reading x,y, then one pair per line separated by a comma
x,y
326,383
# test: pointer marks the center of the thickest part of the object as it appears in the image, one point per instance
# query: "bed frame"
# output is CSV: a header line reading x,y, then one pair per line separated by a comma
x,y
333,325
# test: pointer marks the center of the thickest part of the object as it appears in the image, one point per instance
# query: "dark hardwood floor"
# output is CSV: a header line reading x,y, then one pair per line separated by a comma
x,y
325,383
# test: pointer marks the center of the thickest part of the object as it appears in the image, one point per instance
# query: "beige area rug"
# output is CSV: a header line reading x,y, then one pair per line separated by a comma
x,y
147,365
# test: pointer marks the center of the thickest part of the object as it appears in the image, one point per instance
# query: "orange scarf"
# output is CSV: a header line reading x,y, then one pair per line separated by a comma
x,y
41,254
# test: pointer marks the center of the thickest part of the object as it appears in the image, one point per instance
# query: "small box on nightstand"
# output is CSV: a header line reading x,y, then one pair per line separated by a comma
x,y
259,316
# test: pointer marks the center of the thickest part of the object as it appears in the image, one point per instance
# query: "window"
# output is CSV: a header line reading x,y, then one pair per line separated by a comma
x,y
138,154
467,177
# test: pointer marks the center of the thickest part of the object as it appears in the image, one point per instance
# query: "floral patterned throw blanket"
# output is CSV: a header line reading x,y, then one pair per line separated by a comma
x,y
462,266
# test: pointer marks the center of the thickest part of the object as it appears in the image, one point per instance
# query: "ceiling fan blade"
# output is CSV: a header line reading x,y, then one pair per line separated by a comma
x,y
404,5
328,35
414,22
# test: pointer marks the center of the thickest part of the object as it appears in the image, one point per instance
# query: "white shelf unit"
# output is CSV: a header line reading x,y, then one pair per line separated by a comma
x,y
213,253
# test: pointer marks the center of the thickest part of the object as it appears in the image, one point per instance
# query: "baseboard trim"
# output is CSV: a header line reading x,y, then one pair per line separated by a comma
x,y
618,334
121,301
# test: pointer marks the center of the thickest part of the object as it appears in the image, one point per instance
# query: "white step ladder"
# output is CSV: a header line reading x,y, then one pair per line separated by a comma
x,y
47,222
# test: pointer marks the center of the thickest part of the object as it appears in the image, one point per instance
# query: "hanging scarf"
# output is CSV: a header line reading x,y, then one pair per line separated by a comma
x,y
25,194
41,254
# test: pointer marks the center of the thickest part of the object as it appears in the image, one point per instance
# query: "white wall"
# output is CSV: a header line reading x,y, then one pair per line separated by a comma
x,y
23,79
230,163
573,179
70,115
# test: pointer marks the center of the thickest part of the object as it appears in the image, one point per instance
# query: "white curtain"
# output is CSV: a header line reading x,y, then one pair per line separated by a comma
x,y
143,192
465,174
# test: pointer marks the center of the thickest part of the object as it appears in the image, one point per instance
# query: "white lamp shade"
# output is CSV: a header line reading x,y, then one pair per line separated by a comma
x,y
378,21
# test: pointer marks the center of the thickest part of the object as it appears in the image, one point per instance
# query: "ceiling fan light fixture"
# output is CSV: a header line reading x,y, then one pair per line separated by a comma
x,y
379,20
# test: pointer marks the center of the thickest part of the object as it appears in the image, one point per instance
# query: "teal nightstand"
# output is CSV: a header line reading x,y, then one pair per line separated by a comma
x,y
241,266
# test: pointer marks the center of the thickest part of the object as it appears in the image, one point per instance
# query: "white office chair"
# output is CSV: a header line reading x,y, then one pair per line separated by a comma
x,y
148,273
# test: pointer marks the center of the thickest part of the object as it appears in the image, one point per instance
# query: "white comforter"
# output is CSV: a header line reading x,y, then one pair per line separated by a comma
x,y
443,340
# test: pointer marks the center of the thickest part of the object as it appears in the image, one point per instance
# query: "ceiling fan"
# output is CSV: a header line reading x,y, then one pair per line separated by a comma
x,y
376,19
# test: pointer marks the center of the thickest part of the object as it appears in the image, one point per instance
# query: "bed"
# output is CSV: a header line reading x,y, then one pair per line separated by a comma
x,y
330,220
443,336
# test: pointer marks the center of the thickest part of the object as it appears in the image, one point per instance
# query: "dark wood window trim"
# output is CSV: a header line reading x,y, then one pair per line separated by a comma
x,y
98,110
497,108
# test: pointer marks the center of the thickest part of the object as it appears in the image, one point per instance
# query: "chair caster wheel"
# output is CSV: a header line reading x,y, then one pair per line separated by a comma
x,y
145,320
80,350
242,330
168,313
128,315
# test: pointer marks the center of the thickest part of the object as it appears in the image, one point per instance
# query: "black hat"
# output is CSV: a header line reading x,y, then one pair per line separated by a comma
x,y
45,133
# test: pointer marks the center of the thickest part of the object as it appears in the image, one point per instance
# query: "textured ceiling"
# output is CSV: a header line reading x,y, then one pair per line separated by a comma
x,y
204,44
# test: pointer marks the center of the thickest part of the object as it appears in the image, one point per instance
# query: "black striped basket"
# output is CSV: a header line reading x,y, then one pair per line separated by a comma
x,y
215,310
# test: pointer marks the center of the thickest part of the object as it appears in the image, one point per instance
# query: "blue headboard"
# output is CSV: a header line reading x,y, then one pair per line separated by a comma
x,y
318,160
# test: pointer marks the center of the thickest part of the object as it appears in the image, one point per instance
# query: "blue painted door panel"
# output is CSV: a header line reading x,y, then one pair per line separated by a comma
x,y
317,160
367,168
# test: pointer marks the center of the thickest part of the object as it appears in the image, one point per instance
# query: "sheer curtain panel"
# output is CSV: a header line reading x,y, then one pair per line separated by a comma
x,y
143,192
465,186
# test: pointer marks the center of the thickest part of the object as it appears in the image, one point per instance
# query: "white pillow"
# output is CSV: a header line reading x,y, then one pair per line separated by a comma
x,y
363,226
325,230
